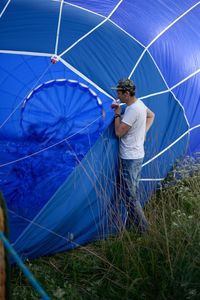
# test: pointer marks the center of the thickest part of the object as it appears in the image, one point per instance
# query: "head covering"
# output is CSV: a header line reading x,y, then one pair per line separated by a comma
x,y
124,85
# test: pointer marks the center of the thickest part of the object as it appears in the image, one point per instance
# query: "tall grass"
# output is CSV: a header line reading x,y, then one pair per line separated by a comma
x,y
161,264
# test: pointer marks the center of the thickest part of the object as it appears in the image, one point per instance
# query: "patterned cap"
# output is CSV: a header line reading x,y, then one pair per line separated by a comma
x,y
124,85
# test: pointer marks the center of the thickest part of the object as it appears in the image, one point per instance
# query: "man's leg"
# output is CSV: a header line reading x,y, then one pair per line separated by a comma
x,y
131,170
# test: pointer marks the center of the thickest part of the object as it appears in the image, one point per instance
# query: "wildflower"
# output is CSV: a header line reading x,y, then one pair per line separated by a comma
x,y
174,224
190,217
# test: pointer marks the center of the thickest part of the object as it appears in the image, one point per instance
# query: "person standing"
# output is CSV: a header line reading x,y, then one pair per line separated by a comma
x,y
131,128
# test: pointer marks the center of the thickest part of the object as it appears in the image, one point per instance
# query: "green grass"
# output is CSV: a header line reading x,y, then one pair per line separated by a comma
x,y
161,264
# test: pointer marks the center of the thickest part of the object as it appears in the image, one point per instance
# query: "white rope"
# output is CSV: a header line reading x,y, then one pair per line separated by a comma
x,y
85,78
171,91
151,179
26,53
46,148
160,34
58,29
128,34
92,30
185,79
172,144
4,9
173,87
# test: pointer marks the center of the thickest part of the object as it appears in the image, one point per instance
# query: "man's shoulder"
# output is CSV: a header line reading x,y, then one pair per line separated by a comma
x,y
137,105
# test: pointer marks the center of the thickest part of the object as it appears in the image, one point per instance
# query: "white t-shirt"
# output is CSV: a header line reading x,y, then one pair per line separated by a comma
x,y
132,143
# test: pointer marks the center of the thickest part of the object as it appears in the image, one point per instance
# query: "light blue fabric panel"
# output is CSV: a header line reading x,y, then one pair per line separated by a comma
x,y
189,96
81,208
145,19
165,131
177,50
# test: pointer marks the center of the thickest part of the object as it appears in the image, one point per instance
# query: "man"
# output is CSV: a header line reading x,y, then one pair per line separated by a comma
x,y
131,128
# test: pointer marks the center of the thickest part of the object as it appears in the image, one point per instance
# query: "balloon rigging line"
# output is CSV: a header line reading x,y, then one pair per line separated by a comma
x,y
26,53
64,62
151,179
160,34
21,102
185,79
76,71
173,87
80,7
4,9
84,77
58,29
168,89
102,16
49,147
172,144
66,239
92,30
128,34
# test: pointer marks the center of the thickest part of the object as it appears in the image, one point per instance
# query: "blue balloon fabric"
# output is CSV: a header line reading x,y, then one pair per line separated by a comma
x,y
58,152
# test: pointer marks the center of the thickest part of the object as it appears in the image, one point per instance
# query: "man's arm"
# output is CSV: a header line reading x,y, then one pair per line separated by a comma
x,y
120,127
150,119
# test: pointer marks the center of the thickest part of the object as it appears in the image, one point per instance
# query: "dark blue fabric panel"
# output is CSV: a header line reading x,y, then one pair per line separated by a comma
x,y
164,132
177,50
106,55
29,26
160,166
147,77
2,5
74,24
146,19
189,96
103,7
17,224
82,204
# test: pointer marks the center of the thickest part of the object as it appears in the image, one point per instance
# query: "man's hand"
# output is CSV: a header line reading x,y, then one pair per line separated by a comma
x,y
117,109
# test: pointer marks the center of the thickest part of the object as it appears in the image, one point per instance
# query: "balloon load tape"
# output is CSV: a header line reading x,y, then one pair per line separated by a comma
x,y
116,103
4,260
